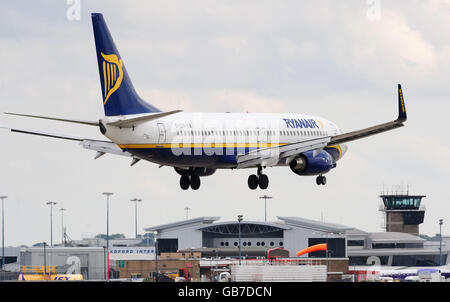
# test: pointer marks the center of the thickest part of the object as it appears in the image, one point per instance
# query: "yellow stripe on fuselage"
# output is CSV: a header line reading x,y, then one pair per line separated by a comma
x,y
199,145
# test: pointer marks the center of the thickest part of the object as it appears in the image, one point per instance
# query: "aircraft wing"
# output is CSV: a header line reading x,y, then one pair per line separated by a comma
x,y
100,146
271,156
351,136
103,147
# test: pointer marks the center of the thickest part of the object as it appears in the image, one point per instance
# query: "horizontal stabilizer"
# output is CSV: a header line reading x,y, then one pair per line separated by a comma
x,y
84,122
41,133
100,146
130,122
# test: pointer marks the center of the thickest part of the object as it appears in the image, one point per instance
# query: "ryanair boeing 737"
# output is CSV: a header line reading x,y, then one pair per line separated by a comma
x,y
196,144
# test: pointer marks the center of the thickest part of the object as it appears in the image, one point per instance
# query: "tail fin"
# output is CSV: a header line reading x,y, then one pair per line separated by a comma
x,y
119,96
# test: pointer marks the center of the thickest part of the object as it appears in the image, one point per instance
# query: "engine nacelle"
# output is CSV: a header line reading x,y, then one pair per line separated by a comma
x,y
196,171
307,164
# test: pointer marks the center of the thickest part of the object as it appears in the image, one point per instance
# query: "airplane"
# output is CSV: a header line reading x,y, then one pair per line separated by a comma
x,y
401,272
196,144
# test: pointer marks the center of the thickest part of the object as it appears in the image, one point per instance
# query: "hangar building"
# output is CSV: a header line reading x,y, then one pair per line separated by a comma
x,y
293,234
289,233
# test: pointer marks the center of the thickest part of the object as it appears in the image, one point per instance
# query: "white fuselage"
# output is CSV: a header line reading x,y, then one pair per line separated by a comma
x,y
215,139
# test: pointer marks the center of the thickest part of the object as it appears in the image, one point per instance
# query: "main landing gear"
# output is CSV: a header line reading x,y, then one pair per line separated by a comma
x,y
321,180
192,181
260,180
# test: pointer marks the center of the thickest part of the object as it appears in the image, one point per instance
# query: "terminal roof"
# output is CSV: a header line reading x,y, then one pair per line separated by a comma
x,y
315,225
183,223
394,237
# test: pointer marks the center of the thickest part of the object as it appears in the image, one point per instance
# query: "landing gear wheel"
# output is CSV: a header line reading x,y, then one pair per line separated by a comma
x,y
321,180
185,182
263,181
318,180
195,182
253,182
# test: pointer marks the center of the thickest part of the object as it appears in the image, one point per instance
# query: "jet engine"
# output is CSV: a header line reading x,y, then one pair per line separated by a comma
x,y
307,164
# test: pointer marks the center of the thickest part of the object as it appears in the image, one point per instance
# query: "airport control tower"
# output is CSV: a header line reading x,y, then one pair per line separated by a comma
x,y
403,212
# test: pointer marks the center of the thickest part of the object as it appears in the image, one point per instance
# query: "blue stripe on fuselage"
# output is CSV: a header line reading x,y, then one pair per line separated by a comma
x,y
193,157
200,157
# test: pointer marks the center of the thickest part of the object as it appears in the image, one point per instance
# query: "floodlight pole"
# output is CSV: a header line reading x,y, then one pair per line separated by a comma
x,y
62,226
187,212
239,223
156,255
45,261
51,204
265,197
3,229
135,200
441,221
107,228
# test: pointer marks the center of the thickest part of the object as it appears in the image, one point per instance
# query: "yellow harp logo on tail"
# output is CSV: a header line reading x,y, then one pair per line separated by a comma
x,y
112,74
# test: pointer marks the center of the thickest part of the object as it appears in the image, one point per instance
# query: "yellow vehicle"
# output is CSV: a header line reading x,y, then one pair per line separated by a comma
x,y
47,273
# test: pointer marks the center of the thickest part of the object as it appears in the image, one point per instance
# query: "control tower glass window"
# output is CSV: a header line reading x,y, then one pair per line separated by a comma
x,y
401,202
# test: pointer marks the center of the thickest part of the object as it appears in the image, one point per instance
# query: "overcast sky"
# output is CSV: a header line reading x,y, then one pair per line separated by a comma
x,y
340,60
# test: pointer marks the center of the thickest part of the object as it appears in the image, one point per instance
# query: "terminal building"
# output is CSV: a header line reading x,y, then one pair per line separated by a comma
x,y
204,246
290,233
400,245
220,239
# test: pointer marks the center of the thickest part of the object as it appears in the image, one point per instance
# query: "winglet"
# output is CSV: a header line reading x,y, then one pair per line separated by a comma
x,y
401,106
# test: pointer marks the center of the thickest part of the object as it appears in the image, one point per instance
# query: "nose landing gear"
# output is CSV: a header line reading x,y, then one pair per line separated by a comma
x,y
321,180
